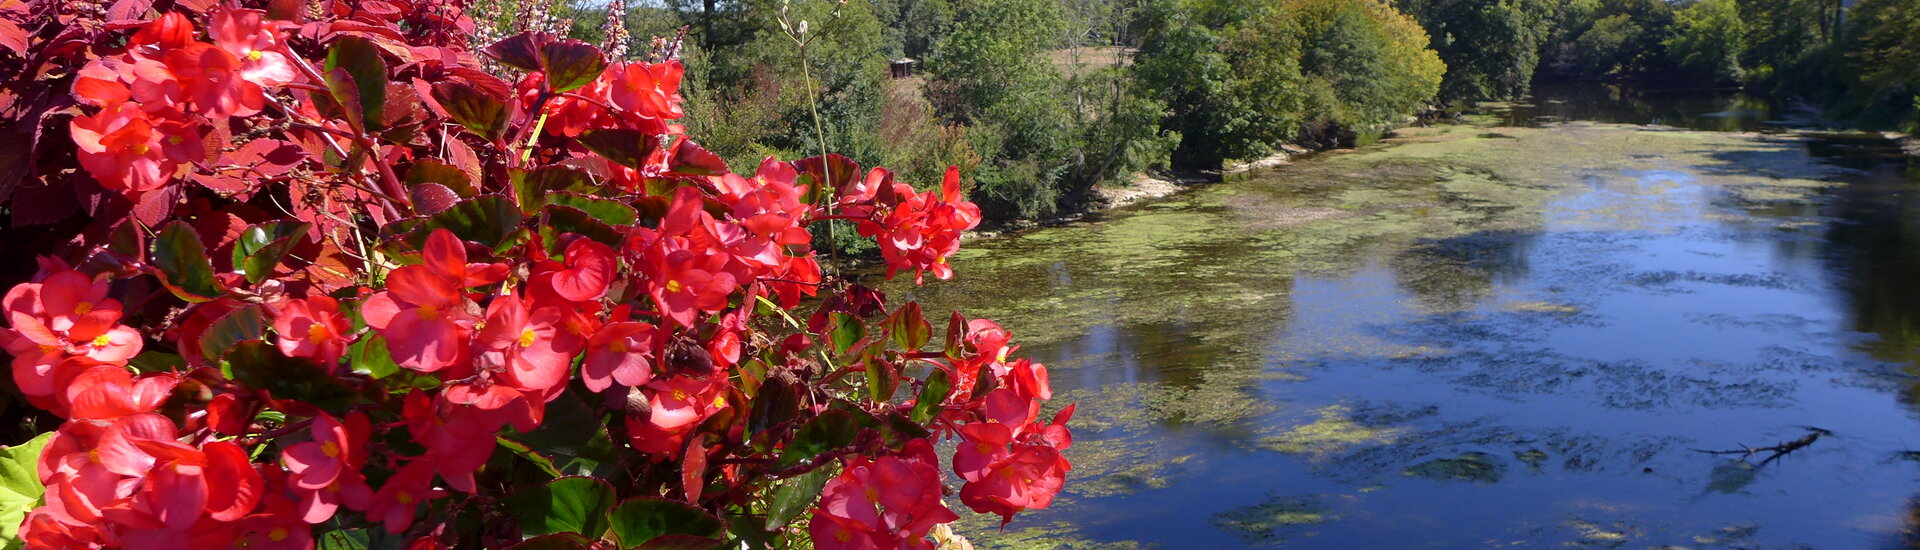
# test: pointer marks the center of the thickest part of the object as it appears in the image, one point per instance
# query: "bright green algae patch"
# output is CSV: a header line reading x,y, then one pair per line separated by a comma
x,y
1197,284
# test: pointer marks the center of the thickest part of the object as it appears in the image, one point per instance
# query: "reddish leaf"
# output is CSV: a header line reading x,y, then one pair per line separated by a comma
x,y
16,159
520,51
447,175
38,204
13,37
129,9
431,198
693,470
485,82
627,147
479,111
691,159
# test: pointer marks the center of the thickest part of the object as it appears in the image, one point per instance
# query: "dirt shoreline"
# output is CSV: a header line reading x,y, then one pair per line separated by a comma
x,y
1145,186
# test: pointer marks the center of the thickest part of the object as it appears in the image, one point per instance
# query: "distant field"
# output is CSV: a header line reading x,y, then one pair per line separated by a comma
x,y
1089,58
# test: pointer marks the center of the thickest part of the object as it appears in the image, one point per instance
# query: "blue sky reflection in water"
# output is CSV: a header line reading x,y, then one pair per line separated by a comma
x,y
1435,351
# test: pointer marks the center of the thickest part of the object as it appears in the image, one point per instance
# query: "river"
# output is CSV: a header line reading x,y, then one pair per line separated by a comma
x,y
1515,331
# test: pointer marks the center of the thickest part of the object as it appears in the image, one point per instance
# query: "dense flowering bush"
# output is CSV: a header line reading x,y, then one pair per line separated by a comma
x,y
317,276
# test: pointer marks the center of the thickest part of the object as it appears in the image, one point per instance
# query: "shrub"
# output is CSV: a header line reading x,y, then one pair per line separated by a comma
x,y
316,276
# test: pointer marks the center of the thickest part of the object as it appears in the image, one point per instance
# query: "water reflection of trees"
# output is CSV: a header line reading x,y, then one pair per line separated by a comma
x,y
1875,254
1457,273
1692,109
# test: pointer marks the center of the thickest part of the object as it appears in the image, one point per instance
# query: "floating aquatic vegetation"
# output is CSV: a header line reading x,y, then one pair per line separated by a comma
x,y
1474,466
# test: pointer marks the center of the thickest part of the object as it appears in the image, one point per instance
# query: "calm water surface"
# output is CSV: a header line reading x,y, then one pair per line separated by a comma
x,y
1510,333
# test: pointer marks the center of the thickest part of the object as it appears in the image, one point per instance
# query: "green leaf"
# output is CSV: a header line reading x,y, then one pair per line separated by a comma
x,y
844,330
257,364
565,505
369,357
567,219
909,327
365,82
574,436
932,396
831,430
182,261
240,325
556,541
486,219
479,111
344,539
610,211
532,187
641,520
157,361
626,147
261,246
570,64
773,404
20,487
539,460
797,494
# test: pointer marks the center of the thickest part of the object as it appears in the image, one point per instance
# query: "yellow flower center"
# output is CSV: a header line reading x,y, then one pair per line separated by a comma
x,y
984,448
526,337
253,55
331,449
141,148
427,312
318,332
101,341
719,402
680,395
872,495
403,497
842,535
277,534
618,346
673,285
175,140
82,308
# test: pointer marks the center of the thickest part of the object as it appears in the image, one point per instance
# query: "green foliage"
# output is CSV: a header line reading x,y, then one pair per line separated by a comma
x,y
20,487
990,74
1369,65
1491,47
1708,39
1233,87
1239,78
1883,60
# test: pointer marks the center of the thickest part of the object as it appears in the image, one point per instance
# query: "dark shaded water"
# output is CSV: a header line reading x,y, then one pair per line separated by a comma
x,y
1509,333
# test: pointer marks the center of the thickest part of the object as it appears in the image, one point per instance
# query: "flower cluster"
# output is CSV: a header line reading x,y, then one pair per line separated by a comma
x,y
408,297
160,97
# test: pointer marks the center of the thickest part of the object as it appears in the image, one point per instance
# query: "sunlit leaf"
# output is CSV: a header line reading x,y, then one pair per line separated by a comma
x,y
480,112
183,265
570,64
365,85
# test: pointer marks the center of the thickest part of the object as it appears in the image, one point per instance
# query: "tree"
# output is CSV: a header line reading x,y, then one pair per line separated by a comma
x,y
1709,37
1491,47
